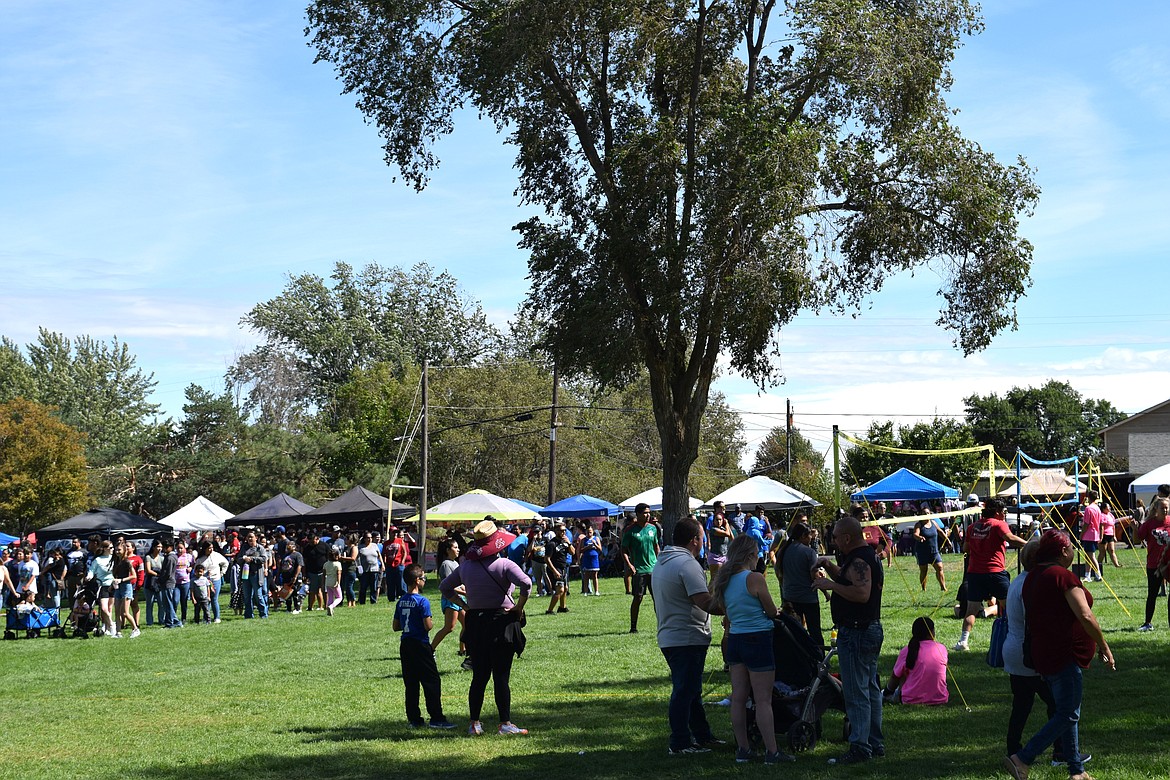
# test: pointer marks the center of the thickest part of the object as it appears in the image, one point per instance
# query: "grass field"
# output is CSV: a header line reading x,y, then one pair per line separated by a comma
x,y
307,696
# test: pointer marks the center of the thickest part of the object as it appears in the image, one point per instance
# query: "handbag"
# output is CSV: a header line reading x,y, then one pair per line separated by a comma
x,y
999,632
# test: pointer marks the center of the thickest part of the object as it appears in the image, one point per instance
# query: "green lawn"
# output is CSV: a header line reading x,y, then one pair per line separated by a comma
x,y
307,696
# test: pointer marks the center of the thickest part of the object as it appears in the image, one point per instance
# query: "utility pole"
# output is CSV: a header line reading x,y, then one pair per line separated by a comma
x,y
788,440
552,440
836,469
426,452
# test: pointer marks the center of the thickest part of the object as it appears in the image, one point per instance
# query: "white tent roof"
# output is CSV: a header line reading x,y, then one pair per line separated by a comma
x,y
200,515
474,505
1148,482
653,497
762,491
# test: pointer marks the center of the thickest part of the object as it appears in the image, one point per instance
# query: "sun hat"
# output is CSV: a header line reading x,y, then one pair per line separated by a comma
x,y
489,540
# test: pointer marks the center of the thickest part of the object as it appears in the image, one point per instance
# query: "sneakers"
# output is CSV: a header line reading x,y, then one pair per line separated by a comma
x,y
962,646
507,729
854,755
215,621
135,633
117,635
562,609
441,723
296,612
689,750
416,724
466,665
475,729
712,742
1145,627
743,755
779,757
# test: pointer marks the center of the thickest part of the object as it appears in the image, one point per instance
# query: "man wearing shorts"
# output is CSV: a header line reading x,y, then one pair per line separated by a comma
x,y
987,576
640,552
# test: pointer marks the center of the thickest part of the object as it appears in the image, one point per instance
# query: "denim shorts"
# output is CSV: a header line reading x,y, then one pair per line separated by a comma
x,y
753,650
124,590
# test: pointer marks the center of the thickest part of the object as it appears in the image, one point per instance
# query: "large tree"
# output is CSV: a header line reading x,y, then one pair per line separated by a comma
x,y
863,465
1049,422
706,169
42,468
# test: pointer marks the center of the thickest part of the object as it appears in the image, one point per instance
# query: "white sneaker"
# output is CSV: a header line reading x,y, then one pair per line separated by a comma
x,y
117,636
1145,627
135,633
962,646
215,621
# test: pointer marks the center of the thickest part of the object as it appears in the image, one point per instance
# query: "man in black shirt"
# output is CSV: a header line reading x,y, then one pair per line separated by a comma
x,y
856,604
556,552
316,553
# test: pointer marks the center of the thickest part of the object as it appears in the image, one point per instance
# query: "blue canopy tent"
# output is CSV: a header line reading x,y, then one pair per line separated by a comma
x,y
528,505
581,506
904,485
6,540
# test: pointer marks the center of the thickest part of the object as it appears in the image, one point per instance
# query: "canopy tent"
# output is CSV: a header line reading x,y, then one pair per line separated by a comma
x,y
104,521
653,497
475,505
6,540
581,505
904,485
763,491
357,507
1145,486
200,515
536,509
274,511
1045,483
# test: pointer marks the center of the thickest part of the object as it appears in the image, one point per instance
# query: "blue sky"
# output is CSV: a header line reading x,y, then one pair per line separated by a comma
x,y
166,166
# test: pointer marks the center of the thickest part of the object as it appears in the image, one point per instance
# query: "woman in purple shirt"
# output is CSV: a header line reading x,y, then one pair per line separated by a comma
x,y
493,631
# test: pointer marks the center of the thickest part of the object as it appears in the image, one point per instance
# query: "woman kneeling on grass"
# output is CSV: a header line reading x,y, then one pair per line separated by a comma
x,y
1062,633
743,593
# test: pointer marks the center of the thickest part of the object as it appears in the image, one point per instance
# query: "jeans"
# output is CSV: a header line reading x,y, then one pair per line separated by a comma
x,y
216,586
370,581
154,604
348,579
255,594
688,721
1024,693
168,600
52,593
858,652
184,591
1067,689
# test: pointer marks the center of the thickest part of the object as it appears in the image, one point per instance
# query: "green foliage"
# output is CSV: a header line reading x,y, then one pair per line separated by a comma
x,y
96,388
317,334
42,468
1049,422
706,170
863,466
808,474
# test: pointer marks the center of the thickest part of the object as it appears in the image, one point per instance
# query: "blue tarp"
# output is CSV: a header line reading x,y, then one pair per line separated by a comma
x,y
581,506
527,505
5,539
904,485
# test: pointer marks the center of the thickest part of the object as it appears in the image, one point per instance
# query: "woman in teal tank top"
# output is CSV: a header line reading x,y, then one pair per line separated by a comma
x,y
742,594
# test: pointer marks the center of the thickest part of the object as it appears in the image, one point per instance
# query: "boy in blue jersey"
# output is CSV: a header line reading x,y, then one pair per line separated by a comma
x,y
412,616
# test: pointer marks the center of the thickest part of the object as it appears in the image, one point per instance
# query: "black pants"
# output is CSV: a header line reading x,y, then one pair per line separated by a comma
x,y
491,659
1024,693
1153,587
419,670
811,612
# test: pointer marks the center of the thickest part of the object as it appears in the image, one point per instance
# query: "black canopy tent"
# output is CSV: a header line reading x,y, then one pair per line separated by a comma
x,y
358,508
106,522
277,510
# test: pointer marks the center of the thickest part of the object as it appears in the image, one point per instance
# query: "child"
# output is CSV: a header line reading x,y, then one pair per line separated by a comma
x,y
201,594
332,574
920,673
412,616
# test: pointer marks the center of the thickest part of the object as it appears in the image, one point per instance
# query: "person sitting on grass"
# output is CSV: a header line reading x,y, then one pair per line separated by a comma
x,y
920,673
412,616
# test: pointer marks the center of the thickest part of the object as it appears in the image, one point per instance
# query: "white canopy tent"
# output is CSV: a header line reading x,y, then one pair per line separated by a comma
x,y
1145,486
653,497
763,491
200,515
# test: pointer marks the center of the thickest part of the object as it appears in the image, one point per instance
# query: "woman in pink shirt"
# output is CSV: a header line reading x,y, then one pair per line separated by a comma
x,y
1155,532
920,673
1108,538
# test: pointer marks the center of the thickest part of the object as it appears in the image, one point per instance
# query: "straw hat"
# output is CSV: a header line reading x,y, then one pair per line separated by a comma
x,y
489,540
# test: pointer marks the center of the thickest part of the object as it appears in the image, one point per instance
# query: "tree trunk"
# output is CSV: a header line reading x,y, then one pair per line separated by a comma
x,y
679,405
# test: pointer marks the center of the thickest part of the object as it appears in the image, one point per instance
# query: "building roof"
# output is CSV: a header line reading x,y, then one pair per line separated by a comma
x,y
1165,405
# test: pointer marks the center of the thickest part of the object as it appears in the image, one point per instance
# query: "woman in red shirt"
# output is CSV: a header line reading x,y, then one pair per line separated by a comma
x,y
1155,532
1062,633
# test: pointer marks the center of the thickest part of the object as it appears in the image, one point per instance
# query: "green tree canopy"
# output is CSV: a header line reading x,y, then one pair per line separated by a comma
x,y
1049,422
808,474
862,466
706,169
42,468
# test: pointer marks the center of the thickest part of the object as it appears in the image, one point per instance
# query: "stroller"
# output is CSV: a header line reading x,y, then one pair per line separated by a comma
x,y
804,689
84,613
32,622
